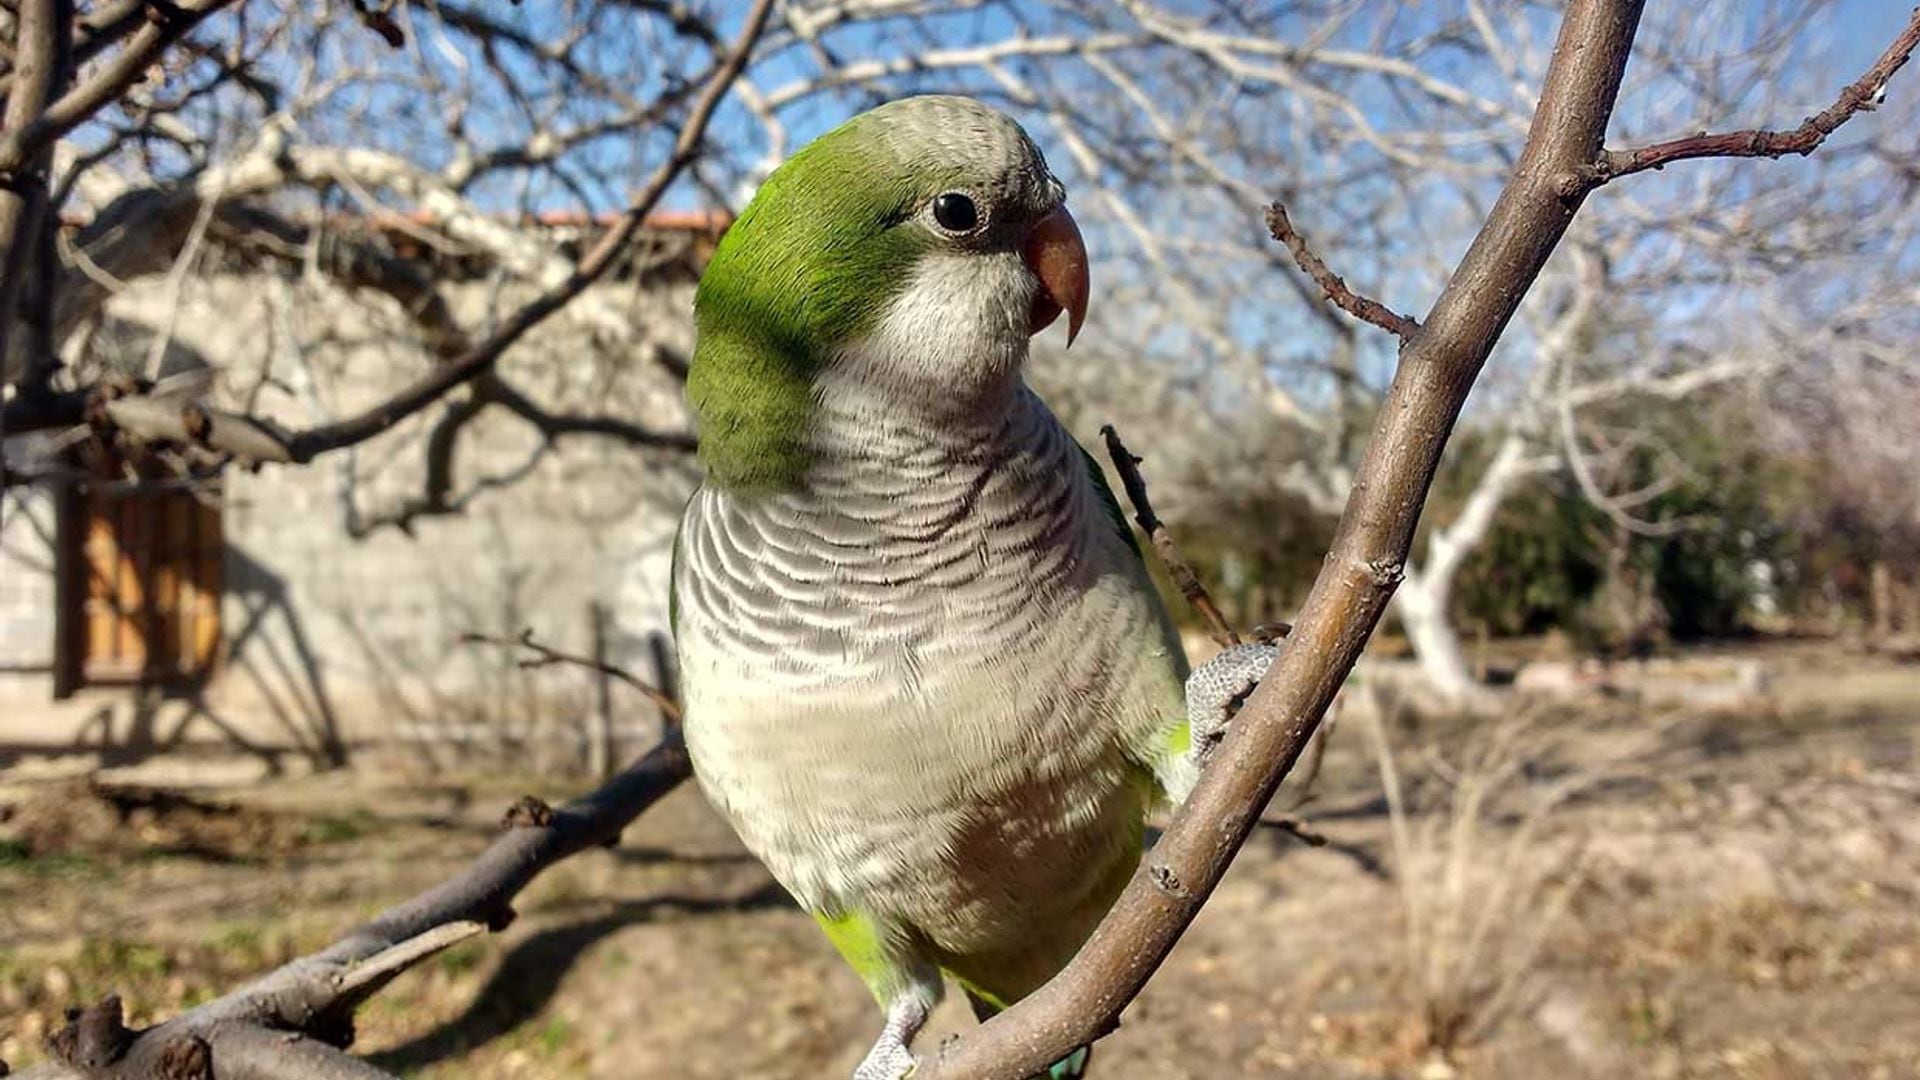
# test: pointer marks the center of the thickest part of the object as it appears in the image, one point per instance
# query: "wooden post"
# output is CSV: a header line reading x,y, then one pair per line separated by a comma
x,y
600,739
1880,599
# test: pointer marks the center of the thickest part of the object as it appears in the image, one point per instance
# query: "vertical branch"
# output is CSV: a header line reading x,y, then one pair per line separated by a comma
x,y
41,47
1438,367
600,739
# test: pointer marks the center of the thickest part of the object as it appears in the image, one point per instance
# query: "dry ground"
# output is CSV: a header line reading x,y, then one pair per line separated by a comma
x,y
1584,891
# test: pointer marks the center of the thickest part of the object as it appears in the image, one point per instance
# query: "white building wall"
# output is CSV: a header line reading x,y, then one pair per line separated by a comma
x,y
333,641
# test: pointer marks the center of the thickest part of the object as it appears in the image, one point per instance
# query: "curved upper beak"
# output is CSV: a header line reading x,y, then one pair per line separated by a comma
x,y
1058,257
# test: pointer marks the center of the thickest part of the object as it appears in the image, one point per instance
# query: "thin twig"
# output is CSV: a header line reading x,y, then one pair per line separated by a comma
x,y
389,962
546,656
107,84
1332,285
1178,568
1863,95
1295,828
258,439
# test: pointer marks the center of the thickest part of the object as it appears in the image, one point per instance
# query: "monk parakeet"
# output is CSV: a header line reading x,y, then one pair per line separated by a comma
x,y
927,678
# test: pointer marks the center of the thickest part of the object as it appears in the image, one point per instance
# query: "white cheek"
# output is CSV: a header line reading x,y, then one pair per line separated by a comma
x,y
958,329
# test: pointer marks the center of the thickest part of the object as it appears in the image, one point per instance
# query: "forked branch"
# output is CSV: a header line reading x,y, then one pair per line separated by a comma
x,y
544,655
299,1014
1862,95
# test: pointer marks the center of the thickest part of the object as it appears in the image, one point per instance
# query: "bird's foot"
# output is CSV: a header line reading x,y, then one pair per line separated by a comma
x,y
890,1059
1217,689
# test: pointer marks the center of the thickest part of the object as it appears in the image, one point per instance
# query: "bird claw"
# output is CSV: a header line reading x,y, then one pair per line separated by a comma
x,y
1216,690
888,1060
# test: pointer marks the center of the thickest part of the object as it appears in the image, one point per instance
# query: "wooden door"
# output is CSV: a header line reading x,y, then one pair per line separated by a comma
x,y
152,565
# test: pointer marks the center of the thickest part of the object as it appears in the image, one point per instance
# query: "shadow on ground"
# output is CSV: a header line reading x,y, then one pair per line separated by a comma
x,y
529,975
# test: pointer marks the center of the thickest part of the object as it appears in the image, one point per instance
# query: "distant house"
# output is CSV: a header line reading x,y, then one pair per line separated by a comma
x,y
282,609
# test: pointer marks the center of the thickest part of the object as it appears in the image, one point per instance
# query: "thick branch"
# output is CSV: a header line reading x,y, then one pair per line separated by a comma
x,y
1332,285
1438,367
1863,95
41,28
97,29
315,995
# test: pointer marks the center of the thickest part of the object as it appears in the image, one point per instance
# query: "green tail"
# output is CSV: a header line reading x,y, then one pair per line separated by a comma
x,y
1071,1067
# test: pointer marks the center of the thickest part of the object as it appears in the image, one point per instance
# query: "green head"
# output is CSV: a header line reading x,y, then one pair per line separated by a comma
x,y
907,255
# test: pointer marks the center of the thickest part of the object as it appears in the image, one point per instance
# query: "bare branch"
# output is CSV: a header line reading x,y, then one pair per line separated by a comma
x,y
168,24
308,444
555,425
545,655
97,29
377,969
1334,287
1437,369
257,439
1863,95
41,29
1178,568
316,994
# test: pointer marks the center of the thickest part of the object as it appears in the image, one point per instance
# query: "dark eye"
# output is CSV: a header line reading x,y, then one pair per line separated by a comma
x,y
955,212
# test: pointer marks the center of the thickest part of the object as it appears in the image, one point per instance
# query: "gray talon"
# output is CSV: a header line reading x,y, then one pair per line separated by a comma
x,y
1216,690
890,1059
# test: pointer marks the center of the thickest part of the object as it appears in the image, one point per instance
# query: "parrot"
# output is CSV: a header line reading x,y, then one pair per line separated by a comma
x,y
926,676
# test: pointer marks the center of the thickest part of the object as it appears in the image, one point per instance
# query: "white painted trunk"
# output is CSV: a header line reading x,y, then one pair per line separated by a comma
x,y
1443,664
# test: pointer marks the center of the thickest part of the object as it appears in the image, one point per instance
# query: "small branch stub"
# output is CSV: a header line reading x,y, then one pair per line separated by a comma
x,y
94,1038
1332,285
186,1058
528,812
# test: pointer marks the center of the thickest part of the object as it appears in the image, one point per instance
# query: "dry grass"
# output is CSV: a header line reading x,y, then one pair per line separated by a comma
x,y
1485,867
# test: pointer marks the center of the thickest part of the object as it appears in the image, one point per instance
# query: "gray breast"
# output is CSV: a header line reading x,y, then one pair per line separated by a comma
x,y
917,538
913,686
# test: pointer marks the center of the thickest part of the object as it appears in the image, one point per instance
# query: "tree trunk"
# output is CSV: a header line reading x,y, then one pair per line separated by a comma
x,y
1880,598
1436,645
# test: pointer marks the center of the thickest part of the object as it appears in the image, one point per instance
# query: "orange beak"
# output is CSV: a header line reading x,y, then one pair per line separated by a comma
x,y
1058,257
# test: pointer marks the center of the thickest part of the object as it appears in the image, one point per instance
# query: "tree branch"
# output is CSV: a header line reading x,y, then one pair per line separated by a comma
x,y
545,655
167,24
41,30
1332,285
258,439
96,30
306,445
315,995
1863,95
1438,367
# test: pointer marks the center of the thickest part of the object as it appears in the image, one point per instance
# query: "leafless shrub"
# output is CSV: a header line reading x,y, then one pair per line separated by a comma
x,y
1485,858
